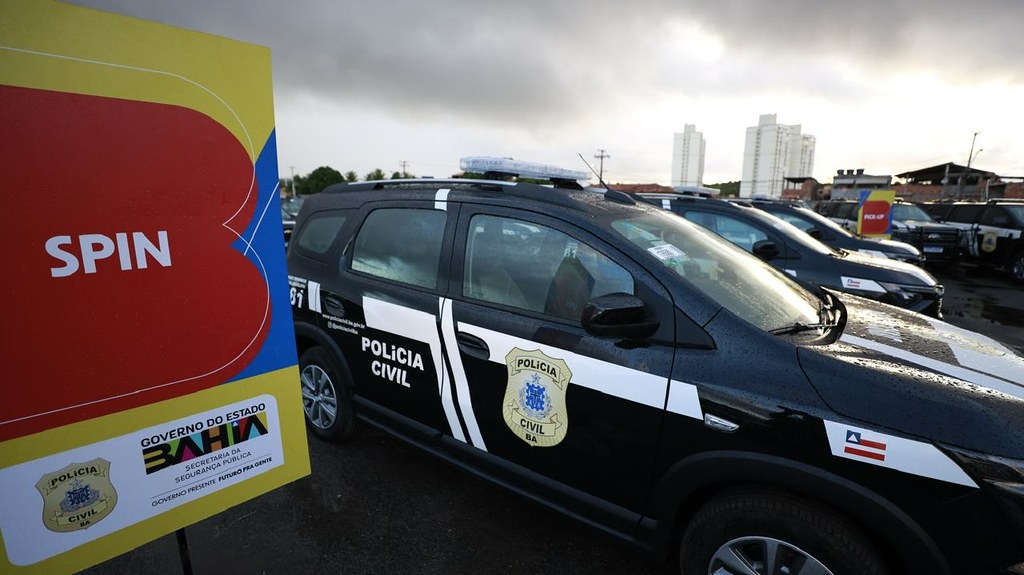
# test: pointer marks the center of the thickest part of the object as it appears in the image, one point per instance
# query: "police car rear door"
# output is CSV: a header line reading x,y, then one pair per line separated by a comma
x,y
382,310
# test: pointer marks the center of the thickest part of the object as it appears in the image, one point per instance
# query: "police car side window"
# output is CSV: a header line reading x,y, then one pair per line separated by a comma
x,y
401,244
798,222
968,214
536,268
319,233
995,216
736,231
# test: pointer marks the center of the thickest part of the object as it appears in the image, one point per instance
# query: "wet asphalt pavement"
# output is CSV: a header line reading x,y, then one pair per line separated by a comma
x,y
376,505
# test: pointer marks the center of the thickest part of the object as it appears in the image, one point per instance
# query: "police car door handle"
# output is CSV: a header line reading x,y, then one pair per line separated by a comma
x,y
473,345
333,305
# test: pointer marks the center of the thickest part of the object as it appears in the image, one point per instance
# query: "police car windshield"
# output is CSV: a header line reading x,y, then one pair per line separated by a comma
x,y
909,212
814,219
730,276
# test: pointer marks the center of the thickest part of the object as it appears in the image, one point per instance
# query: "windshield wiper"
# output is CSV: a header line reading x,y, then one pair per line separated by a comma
x,y
800,327
828,317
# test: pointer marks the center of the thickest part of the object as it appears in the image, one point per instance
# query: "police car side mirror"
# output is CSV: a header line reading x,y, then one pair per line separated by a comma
x,y
617,315
765,249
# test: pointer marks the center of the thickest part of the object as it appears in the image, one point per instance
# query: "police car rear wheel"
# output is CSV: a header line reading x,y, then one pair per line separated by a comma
x,y
766,532
326,396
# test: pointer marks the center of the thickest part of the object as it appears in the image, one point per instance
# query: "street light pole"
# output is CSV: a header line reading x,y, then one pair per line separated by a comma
x,y
963,178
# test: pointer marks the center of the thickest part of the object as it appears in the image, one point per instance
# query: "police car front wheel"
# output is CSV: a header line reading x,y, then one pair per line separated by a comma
x,y
1017,267
766,532
326,395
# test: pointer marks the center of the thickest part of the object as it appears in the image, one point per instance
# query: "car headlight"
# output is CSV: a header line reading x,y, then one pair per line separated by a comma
x,y
904,295
990,468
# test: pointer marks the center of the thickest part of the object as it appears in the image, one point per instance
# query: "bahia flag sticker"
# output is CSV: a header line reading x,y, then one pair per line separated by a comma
x,y
857,445
893,452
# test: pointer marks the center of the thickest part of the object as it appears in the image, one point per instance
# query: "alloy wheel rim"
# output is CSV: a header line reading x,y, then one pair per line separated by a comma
x,y
319,399
763,556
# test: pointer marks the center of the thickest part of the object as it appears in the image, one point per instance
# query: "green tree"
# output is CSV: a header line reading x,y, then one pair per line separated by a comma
x,y
396,175
351,176
377,174
727,189
317,180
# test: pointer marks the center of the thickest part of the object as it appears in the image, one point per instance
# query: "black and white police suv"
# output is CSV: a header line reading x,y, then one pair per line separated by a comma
x,y
630,369
992,232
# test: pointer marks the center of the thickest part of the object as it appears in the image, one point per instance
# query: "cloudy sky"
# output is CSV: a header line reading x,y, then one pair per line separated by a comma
x,y
885,85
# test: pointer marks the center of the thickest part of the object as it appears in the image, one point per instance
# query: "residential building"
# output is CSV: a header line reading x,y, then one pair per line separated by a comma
x,y
772,153
688,157
847,184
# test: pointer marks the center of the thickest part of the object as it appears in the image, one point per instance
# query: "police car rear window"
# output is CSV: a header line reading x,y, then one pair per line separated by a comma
x,y
319,233
401,244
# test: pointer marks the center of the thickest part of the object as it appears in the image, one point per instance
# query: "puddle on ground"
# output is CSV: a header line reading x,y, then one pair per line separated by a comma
x,y
984,308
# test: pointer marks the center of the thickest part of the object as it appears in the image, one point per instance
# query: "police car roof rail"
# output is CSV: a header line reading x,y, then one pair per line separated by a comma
x,y
537,192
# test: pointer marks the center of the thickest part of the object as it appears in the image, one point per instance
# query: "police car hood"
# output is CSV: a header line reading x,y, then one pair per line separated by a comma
x,y
927,224
894,245
889,270
921,376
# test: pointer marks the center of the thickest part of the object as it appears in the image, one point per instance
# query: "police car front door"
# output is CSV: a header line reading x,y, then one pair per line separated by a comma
x,y
537,389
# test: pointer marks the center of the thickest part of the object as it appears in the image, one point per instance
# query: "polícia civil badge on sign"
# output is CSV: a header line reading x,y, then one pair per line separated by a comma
x,y
534,407
77,496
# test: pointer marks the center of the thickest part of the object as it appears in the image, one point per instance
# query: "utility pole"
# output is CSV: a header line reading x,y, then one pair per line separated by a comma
x,y
293,180
404,164
601,155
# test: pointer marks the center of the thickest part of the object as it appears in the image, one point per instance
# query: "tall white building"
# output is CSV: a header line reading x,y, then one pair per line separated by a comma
x,y
774,152
688,157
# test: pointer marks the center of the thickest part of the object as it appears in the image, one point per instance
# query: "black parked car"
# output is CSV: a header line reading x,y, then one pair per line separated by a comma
x,y
992,232
939,243
638,373
801,256
835,236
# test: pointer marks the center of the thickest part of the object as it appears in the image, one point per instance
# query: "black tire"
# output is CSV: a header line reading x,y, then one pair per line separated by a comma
x,y
326,395
755,528
1017,266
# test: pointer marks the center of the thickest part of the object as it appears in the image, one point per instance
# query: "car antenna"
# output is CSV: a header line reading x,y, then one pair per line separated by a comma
x,y
599,179
609,193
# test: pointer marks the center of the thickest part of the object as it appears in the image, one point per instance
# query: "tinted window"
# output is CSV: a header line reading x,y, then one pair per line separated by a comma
x,y
801,223
1017,212
319,233
909,212
965,214
736,231
402,244
995,216
846,211
533,267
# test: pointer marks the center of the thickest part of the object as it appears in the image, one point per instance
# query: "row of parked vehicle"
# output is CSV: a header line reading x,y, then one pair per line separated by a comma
x,y
978,233
814,250
594,352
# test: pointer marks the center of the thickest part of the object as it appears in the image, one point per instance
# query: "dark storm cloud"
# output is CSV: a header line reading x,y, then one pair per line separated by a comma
x,y
539,62
961,38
